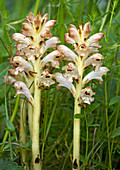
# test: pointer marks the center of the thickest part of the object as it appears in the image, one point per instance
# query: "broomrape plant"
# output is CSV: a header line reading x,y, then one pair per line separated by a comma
x,y
29,63
87,55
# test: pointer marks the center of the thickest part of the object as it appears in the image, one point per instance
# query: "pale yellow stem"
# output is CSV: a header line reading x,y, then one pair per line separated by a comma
x,y
76,128
30,108
30,118
22,133
36,120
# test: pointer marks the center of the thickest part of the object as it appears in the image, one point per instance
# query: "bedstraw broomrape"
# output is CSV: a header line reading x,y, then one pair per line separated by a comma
x,y
87,54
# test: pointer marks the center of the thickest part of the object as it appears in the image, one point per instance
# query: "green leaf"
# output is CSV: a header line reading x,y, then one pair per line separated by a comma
x,y
115,133
94,125
114,100
79,116
9,164
3,70
10,126
90,119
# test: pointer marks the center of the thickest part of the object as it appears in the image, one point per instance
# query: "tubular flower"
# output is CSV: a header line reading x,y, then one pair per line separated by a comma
x,y
23,90
86,96
71,72
46,79
64,82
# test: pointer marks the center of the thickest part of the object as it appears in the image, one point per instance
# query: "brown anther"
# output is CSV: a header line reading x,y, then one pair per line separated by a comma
x,y
87,93
20,88
77,44
69,69
85,39
31,38
37,28
47,76
81,57
57,56
42,21
41,42
97,59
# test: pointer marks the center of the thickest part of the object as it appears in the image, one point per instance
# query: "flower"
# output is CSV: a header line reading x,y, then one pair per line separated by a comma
x,y
52,57
71,72
46,79
64,82
78,38
94,60
22,65
71,56
95,75
22,89
10,80
86,96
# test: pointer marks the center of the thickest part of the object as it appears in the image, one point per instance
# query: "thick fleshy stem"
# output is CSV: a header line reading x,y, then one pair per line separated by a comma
x,y
76,128
36,120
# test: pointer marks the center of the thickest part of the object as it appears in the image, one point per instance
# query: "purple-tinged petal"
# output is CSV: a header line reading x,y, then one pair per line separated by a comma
x,y
64,82
86,30
83,51
71,72
51,43
22,89
53,57
10,80
13,73
68,39
95,75
21,38
86,96
46,79
74,34
95,38
50,24
69,54
23,65
94,60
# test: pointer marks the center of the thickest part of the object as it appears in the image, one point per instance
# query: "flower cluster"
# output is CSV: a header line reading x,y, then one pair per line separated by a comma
x,y
87,55
29,61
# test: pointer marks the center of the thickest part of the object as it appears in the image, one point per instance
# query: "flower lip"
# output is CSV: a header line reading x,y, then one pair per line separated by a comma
x,y
94,60
86,96
95,75
22,89
71,72
69,54
53,58
64,82
46,79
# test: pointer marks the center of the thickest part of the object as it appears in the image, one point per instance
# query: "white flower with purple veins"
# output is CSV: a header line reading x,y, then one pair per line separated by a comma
x,y
46,79
64,82
71,72
86,96
23,65
22,89
53,57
